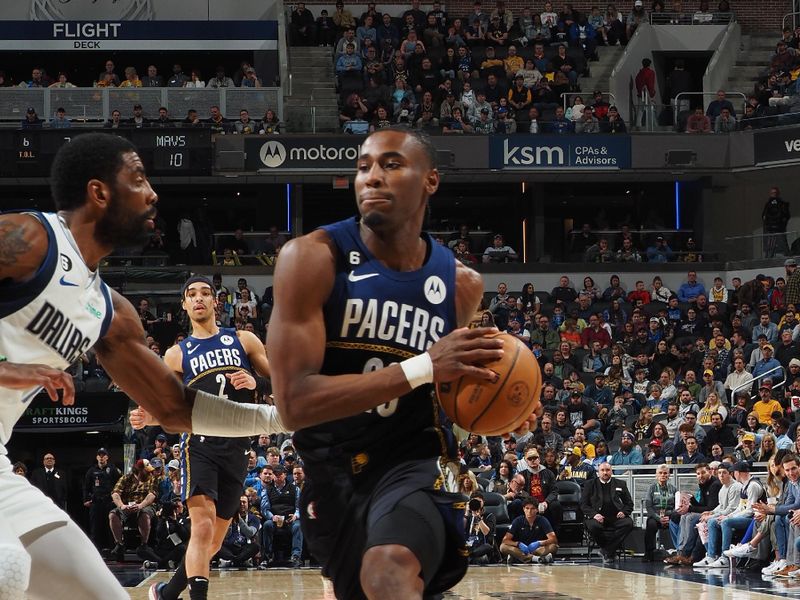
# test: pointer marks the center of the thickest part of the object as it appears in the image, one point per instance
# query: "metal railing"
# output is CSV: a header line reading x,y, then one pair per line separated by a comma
x,y
795,20
766,375
638,478
696,18
96,104
644,113
772,245
676,101
725,55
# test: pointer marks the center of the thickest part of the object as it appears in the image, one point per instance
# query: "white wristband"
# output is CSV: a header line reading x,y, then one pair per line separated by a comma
x,y
418,370
216,416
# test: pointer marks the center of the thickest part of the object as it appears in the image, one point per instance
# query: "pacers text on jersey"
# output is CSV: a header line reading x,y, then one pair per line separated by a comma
x,y
219,357
389,321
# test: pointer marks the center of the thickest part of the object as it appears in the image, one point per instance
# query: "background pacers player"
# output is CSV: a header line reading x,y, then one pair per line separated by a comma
x,y
213,469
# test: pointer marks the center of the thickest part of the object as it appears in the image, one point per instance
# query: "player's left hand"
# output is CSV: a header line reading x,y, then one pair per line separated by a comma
x,y
241,380
140,418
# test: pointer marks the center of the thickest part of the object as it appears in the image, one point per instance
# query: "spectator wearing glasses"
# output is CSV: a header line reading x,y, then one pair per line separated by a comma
x,y
540,484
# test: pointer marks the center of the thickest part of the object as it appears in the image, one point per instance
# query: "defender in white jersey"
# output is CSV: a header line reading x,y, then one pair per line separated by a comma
x,y
53,307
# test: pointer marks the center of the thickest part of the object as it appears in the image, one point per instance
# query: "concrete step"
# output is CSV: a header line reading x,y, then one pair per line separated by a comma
x,y
310,51
313,70
308,86
313,96
761,64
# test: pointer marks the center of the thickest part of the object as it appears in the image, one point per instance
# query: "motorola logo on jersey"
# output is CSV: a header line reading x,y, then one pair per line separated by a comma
x,y
226,339
273,154
403,324
435,290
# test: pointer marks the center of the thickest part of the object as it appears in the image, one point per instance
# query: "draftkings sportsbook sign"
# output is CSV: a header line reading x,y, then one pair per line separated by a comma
x,y
529,152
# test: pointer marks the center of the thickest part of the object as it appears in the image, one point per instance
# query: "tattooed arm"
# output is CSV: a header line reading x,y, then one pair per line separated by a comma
x,y
23,246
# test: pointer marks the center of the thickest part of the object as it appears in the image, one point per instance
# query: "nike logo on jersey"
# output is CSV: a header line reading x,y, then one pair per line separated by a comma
x,y
188,351
353,277
63,281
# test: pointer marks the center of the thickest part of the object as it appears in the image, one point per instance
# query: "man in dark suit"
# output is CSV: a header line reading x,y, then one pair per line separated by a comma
x,y
607,506
51,481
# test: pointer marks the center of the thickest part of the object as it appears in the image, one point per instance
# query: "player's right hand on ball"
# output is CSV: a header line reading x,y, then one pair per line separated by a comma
x,y
23,377
462,351
140,418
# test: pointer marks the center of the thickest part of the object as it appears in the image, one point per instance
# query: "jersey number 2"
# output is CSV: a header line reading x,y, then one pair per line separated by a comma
x,y
221,380
384,410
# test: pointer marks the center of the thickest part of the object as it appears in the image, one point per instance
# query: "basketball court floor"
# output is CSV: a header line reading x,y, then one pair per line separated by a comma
x,y
629,580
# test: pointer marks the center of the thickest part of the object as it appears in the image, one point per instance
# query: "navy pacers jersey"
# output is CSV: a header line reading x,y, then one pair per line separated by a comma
x,y
206,361
375,317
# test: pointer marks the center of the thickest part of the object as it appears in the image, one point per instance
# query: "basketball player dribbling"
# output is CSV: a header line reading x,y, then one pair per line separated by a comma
x,y
352,360
213,469
53,308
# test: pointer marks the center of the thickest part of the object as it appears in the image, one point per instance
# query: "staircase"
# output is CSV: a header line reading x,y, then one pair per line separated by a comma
x,y
313,85
600,71
754,56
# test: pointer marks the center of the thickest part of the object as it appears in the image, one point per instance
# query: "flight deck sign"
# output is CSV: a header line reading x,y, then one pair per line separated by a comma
x,y
138,35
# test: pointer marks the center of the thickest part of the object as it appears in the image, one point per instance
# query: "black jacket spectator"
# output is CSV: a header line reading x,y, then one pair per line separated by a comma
x,y
723,436
592,497
709,496
53,484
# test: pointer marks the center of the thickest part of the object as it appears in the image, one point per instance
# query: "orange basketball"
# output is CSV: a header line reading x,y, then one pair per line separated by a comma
x,y
494,408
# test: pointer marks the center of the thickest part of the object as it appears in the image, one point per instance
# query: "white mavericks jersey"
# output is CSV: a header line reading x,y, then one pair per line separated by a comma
x,y
51,319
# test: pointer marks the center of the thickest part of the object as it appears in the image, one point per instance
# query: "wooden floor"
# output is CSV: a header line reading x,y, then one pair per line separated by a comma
x,y
556,582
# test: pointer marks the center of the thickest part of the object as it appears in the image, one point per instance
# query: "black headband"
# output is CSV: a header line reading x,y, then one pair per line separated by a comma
x,y
197,279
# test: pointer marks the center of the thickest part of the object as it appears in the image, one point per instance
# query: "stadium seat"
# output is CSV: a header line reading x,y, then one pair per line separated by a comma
x,y
571,532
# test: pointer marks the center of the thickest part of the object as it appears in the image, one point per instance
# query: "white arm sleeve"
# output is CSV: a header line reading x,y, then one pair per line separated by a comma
x,y
216,416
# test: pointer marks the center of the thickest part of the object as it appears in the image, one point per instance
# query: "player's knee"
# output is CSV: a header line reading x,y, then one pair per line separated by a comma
x,y
389,569
203,530
15,569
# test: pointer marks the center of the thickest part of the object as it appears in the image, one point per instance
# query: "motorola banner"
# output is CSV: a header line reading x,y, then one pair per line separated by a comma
x,y
267,153
776,145
529,152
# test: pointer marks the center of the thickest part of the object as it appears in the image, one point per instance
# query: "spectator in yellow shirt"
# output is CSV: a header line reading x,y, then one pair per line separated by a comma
x,y
513,62
766,404
131,78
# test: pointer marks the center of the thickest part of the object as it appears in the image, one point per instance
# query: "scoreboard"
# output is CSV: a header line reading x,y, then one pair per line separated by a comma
x,y
167,151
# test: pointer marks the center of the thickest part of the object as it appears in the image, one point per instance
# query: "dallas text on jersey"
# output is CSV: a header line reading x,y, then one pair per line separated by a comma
x,y
57,331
